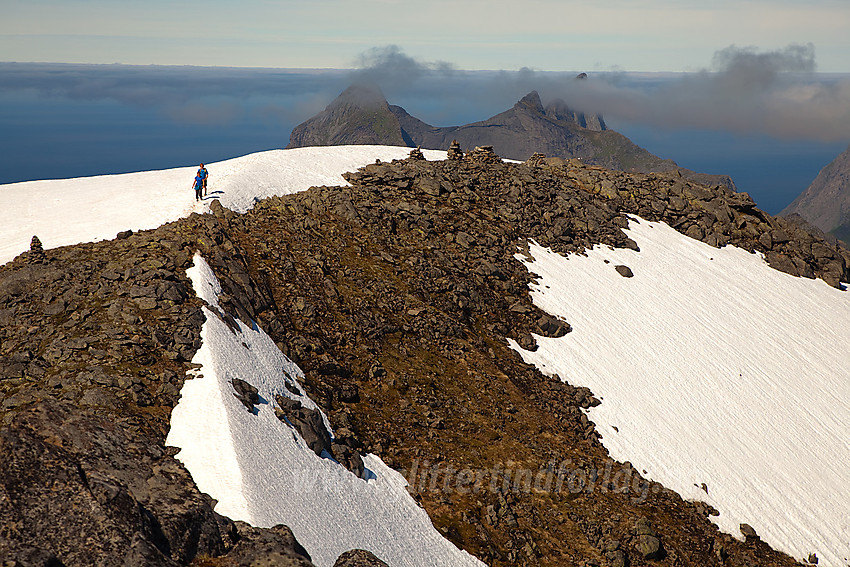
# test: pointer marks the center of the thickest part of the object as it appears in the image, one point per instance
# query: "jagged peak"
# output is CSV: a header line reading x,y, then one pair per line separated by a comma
x,y
531,101
558,109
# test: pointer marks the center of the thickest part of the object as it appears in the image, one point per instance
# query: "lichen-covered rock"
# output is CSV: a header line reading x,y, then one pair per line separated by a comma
x,y
359,558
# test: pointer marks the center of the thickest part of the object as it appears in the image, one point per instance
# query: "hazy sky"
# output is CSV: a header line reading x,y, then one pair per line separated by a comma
x,y
556,35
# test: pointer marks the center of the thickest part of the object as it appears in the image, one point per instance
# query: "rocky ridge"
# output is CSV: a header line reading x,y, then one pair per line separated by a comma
x,y
96,342
826,202
395,296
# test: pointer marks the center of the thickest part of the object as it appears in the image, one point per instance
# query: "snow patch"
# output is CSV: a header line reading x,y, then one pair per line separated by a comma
x,y
714,368
261,471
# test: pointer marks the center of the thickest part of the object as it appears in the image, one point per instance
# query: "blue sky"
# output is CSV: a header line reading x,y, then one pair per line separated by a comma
x,y
555,35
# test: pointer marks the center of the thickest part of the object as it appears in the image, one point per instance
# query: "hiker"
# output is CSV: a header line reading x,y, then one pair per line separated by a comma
x,y
198,187
204,174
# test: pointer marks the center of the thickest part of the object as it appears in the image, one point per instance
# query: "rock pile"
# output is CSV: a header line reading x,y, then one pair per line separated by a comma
x,y
483,155
416,154
716,216
454,152
36,254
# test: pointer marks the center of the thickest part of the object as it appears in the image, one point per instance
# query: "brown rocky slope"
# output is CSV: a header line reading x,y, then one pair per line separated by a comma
x,y
395,296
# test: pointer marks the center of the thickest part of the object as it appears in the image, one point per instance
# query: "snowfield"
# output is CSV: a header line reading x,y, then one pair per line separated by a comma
x,y
262,472
84,209
714,368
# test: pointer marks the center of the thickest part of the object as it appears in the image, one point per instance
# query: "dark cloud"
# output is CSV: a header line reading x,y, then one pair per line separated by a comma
x,y
391,69
775,93
751,70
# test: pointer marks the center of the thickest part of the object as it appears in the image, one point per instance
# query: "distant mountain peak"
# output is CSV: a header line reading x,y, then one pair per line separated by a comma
x,y
360,115
532,101
360,94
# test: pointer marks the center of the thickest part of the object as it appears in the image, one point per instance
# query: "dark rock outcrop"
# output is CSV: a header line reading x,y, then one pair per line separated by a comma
x,y
307,421
81,490
311,427
359,558
246,393
271,547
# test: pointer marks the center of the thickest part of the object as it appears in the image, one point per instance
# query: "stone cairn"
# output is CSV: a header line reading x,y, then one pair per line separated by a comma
x,y
536,159
454,153
36,255
483,154
416,154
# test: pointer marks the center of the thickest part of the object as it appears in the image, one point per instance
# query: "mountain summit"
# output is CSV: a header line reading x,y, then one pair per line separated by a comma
x,y
361,115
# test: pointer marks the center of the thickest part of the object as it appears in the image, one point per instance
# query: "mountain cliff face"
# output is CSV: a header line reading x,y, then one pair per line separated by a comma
x,y
397,297
826,202
360,115
555,130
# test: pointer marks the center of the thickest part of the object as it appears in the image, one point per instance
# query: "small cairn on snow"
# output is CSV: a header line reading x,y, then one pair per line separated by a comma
x,y
416,154
454,153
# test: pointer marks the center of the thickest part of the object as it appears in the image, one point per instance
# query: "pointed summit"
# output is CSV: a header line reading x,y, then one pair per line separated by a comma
x,y
360,95
531,101
360,115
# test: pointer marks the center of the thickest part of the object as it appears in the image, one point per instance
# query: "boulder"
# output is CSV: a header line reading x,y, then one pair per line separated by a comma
x,y
246,393
748,532
308,422
359,558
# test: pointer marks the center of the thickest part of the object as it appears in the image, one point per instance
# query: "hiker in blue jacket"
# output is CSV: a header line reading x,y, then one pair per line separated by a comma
x,y
199,187
204,174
